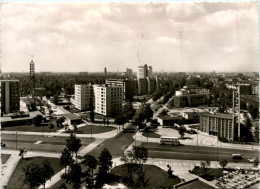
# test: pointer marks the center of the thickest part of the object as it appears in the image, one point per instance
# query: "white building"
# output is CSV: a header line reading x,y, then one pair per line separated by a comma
x,y
84,97
142,72
108,99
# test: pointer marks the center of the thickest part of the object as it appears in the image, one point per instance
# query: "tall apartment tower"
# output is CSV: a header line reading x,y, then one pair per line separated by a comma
x,y
150,71
105,70
108,100
142,72
84,97
32,76
10,97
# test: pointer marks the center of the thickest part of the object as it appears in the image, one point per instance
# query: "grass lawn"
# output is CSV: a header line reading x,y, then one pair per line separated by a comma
x,y
151,134
158,177
95,129
31,128
16,180
5,157
211,174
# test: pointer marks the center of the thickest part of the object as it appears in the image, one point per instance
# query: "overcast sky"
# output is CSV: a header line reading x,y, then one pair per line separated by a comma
x,y
76,37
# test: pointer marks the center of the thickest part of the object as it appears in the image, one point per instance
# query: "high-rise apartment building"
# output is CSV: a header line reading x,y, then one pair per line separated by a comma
x,y
10,97
129,72
150,71
84,97
32,76
142,72
127,88
221,125
108,99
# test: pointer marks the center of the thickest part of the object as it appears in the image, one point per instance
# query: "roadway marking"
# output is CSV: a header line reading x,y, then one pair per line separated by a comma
x,y
38,142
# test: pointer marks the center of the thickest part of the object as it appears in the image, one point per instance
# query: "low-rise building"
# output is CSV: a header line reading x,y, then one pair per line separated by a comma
x,y
221,125
71,119
166,120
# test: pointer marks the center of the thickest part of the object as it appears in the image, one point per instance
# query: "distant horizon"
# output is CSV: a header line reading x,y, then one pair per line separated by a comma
x,y
182,37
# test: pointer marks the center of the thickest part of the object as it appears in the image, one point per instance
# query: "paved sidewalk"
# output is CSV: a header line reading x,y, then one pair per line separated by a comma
x,y
90,147
8,168
200,140
105,135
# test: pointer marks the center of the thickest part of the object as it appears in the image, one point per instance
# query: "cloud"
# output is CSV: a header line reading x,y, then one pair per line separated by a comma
x,y
91,36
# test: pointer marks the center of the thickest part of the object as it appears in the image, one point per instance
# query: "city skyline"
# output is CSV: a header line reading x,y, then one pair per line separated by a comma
x,y
78,37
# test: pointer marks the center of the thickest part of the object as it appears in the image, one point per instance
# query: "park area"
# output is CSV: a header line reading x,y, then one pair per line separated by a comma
x,y
158,177
92,129
17,178
4,158
32,128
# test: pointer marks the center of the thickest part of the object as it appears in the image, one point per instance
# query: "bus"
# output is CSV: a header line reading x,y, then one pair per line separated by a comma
x,y
169,140
237,156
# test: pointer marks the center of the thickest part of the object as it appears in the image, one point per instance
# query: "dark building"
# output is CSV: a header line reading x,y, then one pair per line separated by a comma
x,y
10,97
191,100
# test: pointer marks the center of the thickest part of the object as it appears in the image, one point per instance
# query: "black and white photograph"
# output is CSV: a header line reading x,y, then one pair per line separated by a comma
x,y
129,95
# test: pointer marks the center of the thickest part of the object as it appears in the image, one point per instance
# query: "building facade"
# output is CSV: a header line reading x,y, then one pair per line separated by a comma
x,y
221,125
108,99
84,97
142,72
10,96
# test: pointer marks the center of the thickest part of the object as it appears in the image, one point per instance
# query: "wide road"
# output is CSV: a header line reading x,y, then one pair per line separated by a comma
x,y
116,145
47,144
197,152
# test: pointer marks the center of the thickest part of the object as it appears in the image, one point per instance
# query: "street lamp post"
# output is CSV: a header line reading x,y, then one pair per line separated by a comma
x,y
217,149
91,130
197,136
16,140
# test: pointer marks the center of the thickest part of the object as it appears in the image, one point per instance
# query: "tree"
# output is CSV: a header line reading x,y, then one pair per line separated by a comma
x,y
32,175
56,99
37,120
91,162
73,144
223,163
51,126
120,120
59,121
74,175
256,162
75,127
22,152
105,163
92,116
36,174
47,172
182,130
203,165
134,162
66,158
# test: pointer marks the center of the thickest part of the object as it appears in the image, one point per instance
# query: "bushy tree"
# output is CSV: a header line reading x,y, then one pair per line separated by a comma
x,y
182,130
36,174
66,158
104,163
37,120
223,163
73,144
91,163
51,126
134,161
256,162
74,175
